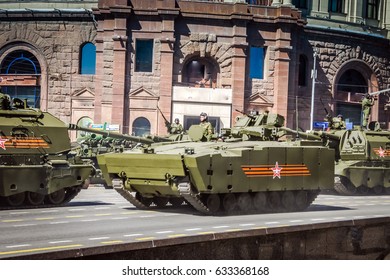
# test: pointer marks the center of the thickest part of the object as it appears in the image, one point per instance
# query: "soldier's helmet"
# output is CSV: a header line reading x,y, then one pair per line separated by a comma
x,y
203,114
176,120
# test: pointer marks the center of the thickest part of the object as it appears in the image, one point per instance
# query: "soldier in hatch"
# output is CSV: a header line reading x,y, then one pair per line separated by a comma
x,y
208,128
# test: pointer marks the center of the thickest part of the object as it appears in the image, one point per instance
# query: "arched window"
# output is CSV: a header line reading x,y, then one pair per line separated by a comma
x,y
25,69
351,88
302,74
141,126
88,59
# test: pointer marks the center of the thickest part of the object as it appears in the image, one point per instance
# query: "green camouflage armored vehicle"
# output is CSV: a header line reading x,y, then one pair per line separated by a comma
x,y
36,165
362,158
247,169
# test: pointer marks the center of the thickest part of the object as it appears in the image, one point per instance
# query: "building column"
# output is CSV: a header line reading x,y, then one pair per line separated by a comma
x,y
166,68
282,66
239,47
119,73
98,76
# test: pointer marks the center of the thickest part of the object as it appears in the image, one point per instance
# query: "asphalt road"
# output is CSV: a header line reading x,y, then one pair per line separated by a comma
x,y
99,217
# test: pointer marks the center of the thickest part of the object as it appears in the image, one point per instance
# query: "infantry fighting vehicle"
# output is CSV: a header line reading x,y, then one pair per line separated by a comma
x,y
248,168
362,158
36,165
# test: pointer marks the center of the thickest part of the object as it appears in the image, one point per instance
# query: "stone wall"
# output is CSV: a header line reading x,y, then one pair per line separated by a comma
x,y
56,45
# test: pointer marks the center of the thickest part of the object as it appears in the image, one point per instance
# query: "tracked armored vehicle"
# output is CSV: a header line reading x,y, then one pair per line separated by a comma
x,y
37,167
247,169
362,163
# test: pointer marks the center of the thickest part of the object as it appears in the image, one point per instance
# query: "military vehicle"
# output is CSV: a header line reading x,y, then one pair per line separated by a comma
x,y
246,169
362,162
37,167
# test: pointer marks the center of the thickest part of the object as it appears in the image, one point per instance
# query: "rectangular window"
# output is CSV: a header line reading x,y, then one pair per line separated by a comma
x,y
256,62
336,6
300,4
372,9
143,55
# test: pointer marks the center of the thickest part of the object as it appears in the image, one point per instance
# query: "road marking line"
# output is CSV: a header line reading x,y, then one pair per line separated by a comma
x,y
246,225
60,241
128,213
148,216
206,232
103,214
76,209
49,211
44,218
59,222
317,219
18,246
17,213
101,208
193,229
271,223
359,217
99,238
12,221
111,242
40,249
216,227
339,218
76,216
177,235
233,229
90,220
145,238
162,232
25,225
296,221
120,218
132,235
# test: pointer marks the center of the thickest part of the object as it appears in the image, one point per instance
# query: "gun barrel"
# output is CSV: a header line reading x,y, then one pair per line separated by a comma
x,y
379,92
112,134
245,114
304,135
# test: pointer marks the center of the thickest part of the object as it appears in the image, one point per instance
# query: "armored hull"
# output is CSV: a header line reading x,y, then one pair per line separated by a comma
x,y
363,165
224,177
36,166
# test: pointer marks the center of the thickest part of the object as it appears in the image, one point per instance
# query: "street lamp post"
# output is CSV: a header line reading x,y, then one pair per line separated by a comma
x,y
313,85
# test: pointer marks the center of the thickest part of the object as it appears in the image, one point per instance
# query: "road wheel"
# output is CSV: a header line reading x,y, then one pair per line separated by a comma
x,y
229,202
213,203
301,200
288,201
33,198
245,202
260,201
377,190
274,201
56,197
364,190
15,199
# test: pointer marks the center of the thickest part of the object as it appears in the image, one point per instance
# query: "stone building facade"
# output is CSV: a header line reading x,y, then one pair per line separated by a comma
x,y
171,59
